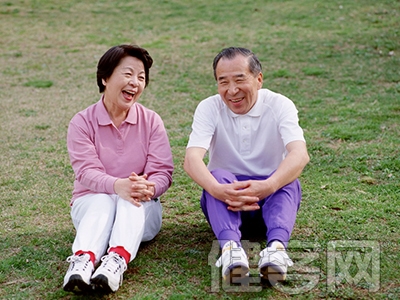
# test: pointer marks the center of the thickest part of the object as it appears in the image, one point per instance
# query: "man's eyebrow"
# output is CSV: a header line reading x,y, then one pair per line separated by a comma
x,y
221,78
234,76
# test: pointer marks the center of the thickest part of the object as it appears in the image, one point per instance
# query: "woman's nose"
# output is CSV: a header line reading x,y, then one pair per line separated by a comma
x,y
133,81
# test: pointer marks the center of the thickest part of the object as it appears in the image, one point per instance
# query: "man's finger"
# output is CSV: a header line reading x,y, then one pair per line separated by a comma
x,y
244,208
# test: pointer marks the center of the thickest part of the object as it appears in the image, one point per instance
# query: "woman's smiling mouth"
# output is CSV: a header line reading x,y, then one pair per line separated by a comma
x,y
128,95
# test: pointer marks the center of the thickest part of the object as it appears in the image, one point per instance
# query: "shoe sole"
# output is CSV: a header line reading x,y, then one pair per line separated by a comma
x,y
237,275
76,284
101,282
272,275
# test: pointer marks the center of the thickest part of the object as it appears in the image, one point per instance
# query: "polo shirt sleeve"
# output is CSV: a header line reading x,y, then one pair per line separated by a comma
x,y
289,122
159,165
89,170
204,123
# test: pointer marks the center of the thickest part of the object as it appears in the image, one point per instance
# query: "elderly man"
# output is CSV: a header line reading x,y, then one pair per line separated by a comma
x,y
257,151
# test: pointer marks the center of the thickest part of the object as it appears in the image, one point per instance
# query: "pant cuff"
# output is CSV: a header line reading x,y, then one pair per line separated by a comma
x,y
279,234
228,235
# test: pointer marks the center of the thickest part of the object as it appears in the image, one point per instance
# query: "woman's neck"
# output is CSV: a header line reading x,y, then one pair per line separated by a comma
x,y
116,114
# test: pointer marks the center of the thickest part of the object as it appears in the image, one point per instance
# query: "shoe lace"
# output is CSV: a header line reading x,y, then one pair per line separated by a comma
x,y
114,263
79,262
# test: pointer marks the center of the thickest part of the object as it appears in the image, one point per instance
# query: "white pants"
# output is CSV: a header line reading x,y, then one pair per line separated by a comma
x,y
103,221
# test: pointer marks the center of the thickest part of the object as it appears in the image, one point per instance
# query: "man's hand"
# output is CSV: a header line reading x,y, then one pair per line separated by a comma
x,y
228,194
288,170
244,195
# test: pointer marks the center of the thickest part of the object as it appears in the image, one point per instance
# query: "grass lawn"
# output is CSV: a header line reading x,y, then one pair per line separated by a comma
x,y
339,61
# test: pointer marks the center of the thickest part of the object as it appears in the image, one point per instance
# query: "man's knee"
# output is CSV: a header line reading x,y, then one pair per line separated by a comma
x,y
223,176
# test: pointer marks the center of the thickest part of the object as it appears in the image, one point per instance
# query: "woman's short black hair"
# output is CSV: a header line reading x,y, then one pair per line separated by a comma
x,y
110,60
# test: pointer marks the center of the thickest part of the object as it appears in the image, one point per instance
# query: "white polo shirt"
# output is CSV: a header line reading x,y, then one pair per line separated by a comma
x,y
252,144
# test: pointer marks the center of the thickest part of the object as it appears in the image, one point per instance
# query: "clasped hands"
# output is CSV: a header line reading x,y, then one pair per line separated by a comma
x,y
244,195
135,188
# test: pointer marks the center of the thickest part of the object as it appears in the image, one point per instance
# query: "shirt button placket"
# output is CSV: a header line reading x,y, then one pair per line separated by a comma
x,y
120,143
245,132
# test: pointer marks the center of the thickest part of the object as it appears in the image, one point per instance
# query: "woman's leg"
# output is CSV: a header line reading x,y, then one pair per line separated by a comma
x,y
93,218
134,224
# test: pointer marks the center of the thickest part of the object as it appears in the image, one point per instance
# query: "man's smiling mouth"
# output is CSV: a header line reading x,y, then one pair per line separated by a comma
x,y
236,100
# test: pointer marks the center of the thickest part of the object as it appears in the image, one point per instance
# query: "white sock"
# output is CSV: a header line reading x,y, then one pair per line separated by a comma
x,y
277,245
229,245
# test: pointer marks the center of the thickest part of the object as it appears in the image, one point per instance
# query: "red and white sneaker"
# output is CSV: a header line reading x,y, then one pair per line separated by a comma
x,y
108,276
79,272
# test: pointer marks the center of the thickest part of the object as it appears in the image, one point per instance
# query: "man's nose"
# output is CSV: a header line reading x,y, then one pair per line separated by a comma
x,y
232,88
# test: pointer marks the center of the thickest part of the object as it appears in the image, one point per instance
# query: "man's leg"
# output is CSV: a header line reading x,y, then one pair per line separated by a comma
x,y
280,212
224,223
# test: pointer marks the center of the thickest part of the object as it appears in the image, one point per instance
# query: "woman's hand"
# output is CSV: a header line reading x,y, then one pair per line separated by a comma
x,y
135,188
142,189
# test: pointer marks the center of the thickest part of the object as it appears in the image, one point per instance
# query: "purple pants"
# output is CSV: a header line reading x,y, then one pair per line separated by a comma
x,y
275,218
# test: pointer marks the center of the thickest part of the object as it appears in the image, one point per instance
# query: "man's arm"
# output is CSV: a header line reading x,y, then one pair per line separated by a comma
x,y
291,167
197,170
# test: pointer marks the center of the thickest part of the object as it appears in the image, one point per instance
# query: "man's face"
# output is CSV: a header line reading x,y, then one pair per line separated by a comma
x,y
237,86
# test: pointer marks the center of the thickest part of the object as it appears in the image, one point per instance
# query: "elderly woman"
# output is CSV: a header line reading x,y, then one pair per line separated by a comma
x,y
121,157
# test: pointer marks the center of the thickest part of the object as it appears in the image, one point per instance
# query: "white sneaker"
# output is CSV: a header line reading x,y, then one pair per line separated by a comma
x,y
108,276
234,262
79,272
273,264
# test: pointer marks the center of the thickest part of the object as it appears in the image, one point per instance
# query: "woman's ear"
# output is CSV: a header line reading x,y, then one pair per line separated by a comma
x,y
104,82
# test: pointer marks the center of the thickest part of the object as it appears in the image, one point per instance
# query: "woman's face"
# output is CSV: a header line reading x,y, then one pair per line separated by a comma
x,y
125,85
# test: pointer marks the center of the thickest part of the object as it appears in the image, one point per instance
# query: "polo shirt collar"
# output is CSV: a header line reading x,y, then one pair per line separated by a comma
x,y
255,111
104,119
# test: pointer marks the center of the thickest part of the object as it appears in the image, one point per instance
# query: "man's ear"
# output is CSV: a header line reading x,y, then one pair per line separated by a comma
x,y
260,80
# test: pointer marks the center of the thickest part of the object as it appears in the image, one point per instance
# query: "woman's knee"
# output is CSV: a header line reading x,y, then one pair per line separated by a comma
x,y
93,204
153,220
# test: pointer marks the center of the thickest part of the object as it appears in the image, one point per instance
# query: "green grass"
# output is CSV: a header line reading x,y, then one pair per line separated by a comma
x,y
338,61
